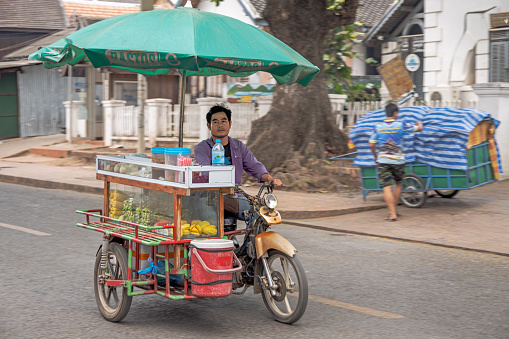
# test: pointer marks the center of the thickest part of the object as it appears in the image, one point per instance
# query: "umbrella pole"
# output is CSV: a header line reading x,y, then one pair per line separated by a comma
x,y
182,103
141,115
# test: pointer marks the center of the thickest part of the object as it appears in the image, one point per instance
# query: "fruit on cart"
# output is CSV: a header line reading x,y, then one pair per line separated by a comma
x,y
118,196
110,167
145,215
181,232
185,229
128,168
195,222
183,222
116,169
209,230
115,214
133,168
204,223
128,210
124,169
195,229
116,204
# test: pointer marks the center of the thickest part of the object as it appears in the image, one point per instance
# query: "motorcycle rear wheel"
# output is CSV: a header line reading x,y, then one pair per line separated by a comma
x,y
112,301
291,299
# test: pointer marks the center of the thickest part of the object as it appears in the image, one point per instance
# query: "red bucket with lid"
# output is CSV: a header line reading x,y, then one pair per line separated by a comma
x,y
212,267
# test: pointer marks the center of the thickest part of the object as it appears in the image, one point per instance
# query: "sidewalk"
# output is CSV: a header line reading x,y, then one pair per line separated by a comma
x,y
327,211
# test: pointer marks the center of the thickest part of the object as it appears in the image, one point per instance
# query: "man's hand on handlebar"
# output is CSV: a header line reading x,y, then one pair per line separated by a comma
x,y
267,178
277,183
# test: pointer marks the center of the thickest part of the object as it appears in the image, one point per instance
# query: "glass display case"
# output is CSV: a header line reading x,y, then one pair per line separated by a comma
x,y
143,169
199,217
186,203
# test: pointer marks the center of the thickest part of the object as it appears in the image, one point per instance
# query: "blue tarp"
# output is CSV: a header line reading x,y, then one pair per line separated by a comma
x,y
442,142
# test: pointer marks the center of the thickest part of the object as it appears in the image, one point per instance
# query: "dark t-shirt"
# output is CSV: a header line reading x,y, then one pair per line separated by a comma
x,y
227,155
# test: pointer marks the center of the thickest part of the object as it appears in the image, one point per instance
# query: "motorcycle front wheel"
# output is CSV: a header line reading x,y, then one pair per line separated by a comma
x,y
288,303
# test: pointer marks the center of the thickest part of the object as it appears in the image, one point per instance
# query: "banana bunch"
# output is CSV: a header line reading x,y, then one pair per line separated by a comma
x,y
128,211
145,216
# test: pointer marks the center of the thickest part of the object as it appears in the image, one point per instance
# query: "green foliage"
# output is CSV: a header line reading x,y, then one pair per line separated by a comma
x,y
334,4
338,46
363,92
338,89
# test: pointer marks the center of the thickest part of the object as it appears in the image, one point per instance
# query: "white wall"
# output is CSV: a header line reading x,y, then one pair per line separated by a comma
x,y
231,8
359,66
450,35
234,9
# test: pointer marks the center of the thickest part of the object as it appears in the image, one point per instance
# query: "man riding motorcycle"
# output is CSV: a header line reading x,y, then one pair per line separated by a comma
x,y
236,153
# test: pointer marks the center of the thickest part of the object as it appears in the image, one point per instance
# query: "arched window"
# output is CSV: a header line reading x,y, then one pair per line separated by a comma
x,y
414,30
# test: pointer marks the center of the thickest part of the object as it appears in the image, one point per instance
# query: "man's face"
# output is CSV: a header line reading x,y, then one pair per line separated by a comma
x,y
219,125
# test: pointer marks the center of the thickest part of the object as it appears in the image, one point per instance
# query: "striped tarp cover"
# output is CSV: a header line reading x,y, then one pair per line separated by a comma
x,y
442,142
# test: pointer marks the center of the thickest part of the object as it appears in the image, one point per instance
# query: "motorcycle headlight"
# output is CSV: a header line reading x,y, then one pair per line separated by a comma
x,y
270,200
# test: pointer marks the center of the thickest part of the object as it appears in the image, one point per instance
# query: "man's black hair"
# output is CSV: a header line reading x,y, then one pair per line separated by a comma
x,y
390,109
219,108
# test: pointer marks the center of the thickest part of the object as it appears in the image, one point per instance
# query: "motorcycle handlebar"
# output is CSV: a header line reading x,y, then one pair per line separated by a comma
x,y
269,186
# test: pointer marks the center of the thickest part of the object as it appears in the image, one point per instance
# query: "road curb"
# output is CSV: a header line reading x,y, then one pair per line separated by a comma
x,y
337,230
326,213
10,179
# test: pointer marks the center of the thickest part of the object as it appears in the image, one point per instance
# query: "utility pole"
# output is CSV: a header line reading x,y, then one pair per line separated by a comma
x,y
145,5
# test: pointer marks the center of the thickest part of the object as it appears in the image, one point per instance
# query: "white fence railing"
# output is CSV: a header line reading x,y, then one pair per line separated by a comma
x,y
125,121
352,111
162,118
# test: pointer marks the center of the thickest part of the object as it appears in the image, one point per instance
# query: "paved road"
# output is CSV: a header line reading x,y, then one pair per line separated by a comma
x,y
361,287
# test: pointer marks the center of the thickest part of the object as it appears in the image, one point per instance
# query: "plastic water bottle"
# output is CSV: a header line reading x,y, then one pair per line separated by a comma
x,y
218,153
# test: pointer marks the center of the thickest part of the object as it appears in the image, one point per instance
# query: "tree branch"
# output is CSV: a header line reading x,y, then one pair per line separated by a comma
x,y
342,16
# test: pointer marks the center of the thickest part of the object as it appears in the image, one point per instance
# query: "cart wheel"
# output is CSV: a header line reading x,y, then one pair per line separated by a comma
x,y
412,182
447,193
113,301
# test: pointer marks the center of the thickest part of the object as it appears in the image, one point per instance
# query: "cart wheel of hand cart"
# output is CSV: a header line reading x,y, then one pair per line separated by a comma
x,y
447,193
113,301
413,193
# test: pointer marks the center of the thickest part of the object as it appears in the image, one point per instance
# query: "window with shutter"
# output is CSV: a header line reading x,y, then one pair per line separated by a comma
x,y
499,56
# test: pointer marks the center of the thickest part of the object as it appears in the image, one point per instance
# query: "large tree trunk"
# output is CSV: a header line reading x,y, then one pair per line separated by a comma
x,y
299,128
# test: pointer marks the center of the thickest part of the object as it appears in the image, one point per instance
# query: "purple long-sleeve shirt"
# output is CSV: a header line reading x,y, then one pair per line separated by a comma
x,y
241,158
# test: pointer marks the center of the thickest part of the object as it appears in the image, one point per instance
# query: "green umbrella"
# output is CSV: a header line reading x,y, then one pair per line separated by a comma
x,y
187,39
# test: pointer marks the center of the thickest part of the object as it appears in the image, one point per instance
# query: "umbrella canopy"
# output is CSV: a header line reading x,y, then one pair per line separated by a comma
x,y
187,39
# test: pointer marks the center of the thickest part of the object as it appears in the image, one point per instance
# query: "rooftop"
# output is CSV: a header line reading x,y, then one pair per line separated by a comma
x,y
371,11
43,15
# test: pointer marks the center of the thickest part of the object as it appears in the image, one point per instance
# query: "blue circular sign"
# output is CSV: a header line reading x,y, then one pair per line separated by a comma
x,y
412,62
